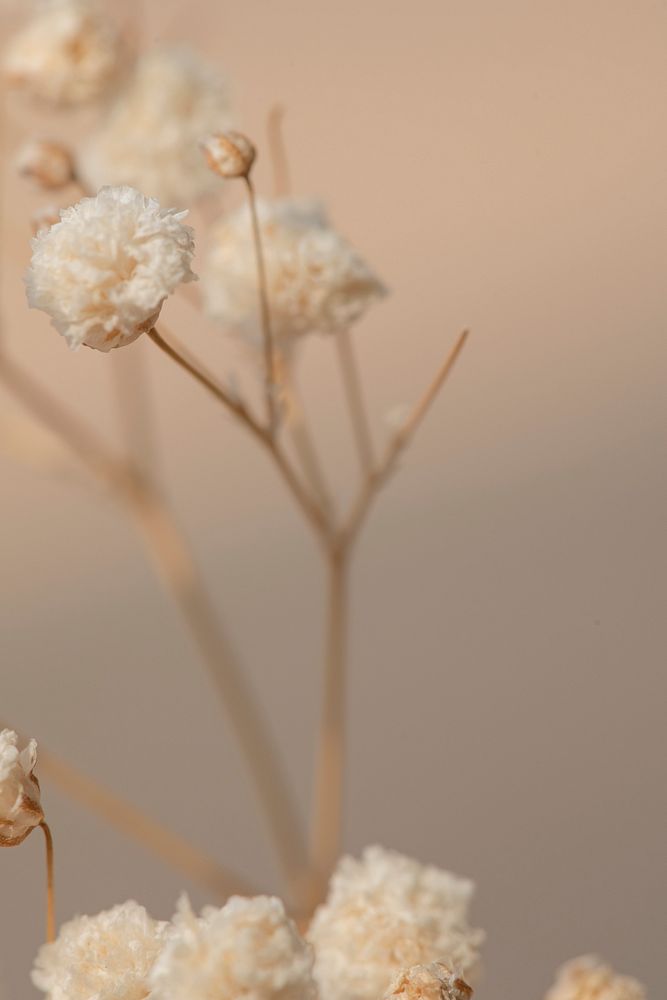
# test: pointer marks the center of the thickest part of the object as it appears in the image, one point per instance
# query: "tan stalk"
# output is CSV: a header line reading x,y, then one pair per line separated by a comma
x,y
279,161
355,401
50,889
265,315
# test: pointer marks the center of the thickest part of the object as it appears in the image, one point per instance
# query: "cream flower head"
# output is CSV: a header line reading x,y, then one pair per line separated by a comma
x,y
248,949
151,136
103,272
68,53
20,808
316,280
588,978
428,982
386,913
108,957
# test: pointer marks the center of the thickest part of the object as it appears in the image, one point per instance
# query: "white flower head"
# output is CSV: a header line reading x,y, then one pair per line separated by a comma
x,y
588,978
316,281
20,808
429,982
248,949
103,272
150,138
106,957
68,53
385,913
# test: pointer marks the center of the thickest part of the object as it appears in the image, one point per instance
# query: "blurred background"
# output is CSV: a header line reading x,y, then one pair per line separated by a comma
x,y
502,167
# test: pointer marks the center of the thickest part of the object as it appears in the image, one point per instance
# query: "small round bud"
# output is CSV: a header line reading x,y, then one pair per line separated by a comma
x,y
429,982
229,154
47,163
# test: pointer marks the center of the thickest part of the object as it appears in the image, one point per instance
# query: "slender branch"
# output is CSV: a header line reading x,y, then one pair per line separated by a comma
x,y
50,890
330,762
279,162
383,470
303,441
265,315
133,405
308,505
355,401
177,571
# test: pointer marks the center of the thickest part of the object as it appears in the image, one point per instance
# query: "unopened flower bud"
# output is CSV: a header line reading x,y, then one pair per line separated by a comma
x,y
588,978
229,154
20,807
429,982
44,218
47,163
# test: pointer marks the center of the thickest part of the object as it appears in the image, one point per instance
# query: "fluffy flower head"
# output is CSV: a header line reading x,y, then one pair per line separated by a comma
x,y
67,53
248,950
316,280
588,978
20,809
386,913
107,957
103,272
428,982
150,138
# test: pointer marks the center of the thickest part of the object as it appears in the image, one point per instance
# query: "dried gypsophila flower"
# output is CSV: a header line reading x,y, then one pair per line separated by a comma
x,y
108,956
429,982
316,281
103,272
47,163
68,53
229,154
387,912
150,136
588,978
20,806
248,948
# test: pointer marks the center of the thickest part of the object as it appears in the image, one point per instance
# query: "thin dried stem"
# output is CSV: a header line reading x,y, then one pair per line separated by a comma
x,y
50,889
130,821
265,315
308,505
330,762
355,401
383,470
133,405
178,572
302,439
279,162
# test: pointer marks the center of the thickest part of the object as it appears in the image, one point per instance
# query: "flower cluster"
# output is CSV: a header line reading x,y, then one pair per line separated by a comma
x,y
429,982
20,807
316,281
150,137
385,913
103,272
588,978
68,53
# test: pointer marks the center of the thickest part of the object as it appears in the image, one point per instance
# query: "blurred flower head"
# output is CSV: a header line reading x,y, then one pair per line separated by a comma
x,y
108,957
68,53
150,137
249,948
385,913
20,808
588,978
103,272
316,280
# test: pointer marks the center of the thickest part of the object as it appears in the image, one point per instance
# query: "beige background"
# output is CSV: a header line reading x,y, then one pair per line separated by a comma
x,y
502,165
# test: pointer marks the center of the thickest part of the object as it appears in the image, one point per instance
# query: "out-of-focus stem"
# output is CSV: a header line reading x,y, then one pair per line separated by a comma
x,y
303,441
279,162
265,315
177,570
355,400
330,761
50,889
170,848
